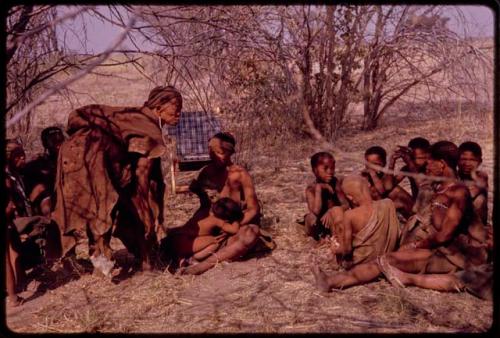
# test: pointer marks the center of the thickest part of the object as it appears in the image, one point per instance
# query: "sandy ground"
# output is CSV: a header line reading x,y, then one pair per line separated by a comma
x,y
273,293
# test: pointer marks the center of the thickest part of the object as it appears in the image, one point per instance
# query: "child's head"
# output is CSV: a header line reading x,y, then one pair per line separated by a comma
x,y
420,151
323,166
470,157
356,188
376,155
221,147
227,210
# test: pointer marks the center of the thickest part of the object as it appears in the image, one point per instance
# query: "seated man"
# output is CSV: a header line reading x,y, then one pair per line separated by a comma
x,y
325,199
451,240
40,173
222,178
371,228
402,200
415,158
207,231
470,158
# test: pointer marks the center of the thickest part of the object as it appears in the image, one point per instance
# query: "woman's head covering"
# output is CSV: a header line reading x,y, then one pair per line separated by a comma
x,y
161,95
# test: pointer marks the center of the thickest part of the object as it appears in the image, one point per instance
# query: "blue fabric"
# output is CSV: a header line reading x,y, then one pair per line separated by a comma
x,y
192,134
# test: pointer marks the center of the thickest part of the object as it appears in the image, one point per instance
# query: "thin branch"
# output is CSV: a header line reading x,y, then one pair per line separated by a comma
x,y
23,36
77,76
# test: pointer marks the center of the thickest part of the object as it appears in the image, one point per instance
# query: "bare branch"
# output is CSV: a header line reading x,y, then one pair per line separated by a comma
x,y
74,78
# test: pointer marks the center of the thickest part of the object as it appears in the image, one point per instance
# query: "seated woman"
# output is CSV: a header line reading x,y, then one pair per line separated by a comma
x,y
206,232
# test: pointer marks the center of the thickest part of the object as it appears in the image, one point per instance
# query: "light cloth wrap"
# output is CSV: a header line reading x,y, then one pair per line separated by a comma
x,y
379,236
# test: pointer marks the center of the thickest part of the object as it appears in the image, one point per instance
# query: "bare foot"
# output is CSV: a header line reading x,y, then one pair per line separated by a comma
x,y
146,266
14,301
321,279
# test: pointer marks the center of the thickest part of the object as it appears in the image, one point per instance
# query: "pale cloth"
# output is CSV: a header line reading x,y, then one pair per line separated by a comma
x,y
379,236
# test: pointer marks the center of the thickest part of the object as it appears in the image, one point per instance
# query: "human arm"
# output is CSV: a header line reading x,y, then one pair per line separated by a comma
x,y
230,228
141,196
449,221
377,184
313,198
197,188
479,193
252,203
344,203
344,245
201,242
347,238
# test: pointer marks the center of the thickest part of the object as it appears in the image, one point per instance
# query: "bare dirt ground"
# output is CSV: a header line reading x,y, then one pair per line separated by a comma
x,y
273,293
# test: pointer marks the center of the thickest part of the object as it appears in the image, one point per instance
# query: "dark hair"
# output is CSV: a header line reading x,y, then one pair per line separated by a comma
x,y
227,137
318,157
377,150
49,133
227,209
446,151
473,147
420,143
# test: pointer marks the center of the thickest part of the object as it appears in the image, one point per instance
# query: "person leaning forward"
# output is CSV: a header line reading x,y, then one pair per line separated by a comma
x,y
109,175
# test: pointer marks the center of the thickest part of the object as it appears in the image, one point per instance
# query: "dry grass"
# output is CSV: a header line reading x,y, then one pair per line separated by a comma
x,y
274,293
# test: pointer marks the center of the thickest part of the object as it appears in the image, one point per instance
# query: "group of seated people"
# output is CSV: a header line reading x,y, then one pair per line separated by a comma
x,y
30,199
443,231
435,237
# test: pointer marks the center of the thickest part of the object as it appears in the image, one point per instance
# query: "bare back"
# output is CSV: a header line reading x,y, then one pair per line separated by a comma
x,y
359,217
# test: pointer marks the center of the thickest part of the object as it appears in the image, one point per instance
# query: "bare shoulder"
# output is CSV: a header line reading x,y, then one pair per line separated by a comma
x,y
239,172
458,191
311,186
482,175
349,213
237,168
204,171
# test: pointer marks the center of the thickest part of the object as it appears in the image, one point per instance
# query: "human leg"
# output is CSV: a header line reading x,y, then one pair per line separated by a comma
x,y
311,225
439,282
10,282
412,261
360,274
237,246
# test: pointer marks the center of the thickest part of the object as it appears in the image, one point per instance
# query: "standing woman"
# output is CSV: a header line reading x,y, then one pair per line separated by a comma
x,y
109,178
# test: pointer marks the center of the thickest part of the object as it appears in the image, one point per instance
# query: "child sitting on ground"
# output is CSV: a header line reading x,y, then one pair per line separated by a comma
x,y
206,232
325,199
